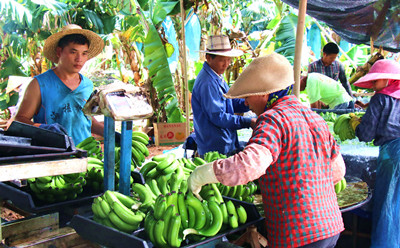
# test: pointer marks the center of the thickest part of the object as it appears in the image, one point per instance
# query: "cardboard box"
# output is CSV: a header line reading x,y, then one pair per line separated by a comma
x,y
169,133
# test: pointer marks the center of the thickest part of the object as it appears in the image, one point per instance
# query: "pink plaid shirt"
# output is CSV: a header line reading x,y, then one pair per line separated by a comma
x,y
298,191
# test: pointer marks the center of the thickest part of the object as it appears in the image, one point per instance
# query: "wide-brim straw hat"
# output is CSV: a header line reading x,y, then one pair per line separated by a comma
x,y
220,45
51,43
381,69
264,75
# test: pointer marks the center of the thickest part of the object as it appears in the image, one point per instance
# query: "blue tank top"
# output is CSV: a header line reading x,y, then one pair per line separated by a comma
x,y
63,106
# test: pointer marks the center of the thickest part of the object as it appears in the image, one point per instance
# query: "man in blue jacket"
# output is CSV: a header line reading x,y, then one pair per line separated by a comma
x,y
214,119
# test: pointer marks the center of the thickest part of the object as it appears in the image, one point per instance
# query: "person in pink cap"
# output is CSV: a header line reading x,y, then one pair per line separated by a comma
x,y
381,123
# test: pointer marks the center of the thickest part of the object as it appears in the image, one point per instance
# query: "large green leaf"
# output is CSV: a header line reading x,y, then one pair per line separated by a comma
x,y
286,37
157,63
15,10
161,10
11,67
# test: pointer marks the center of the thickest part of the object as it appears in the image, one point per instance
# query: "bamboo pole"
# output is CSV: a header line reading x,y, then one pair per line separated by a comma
x,y
299,45
184,70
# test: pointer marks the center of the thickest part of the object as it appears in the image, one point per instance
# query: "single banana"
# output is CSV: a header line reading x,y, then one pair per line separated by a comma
x,y
169,212
225,215
231,208
147,167
158,230
167,161
195,203
171,168
154,186
144,194
173,235
233,221
242,214
126,214
160,206
120,224
183,210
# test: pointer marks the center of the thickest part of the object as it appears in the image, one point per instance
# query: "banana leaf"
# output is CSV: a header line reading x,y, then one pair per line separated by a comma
x,y
286,37
157,63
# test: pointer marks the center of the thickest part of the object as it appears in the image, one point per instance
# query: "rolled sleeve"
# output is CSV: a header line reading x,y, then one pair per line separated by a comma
x,y
243,167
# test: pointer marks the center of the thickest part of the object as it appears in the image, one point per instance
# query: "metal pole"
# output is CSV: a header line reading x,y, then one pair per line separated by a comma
x,y
184,71
299,44
126,157
109,153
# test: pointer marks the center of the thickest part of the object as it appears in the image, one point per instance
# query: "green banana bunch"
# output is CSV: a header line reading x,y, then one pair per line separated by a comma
x,y
179,216
212,156
140,140
118,211
139,150
240,192
328,116
163,164
165,184
342,127
92,146
58,188
340,186
95,175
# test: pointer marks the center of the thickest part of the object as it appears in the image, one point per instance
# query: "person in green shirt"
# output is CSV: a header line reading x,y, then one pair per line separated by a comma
x,y
326,90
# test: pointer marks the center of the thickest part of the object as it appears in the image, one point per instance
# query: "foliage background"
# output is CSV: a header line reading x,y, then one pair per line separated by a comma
x,y
139,50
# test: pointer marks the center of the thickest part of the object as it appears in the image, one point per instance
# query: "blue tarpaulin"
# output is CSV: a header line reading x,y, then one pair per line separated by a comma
x,y
356,21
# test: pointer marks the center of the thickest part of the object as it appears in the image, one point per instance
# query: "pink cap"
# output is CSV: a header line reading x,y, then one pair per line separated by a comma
x,y
381,69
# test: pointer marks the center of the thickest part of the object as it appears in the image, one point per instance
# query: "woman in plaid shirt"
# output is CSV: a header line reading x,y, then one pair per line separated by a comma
x,y
292,153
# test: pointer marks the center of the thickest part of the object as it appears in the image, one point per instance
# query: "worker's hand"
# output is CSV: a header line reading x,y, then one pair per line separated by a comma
x,y
55,127
354,121
200,176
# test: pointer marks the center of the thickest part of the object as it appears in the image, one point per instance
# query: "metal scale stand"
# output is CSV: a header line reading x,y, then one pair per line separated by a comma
x,y
118,102
109,155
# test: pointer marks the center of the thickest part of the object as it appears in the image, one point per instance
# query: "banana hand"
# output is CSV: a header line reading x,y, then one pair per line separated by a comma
x,y
354,122
203,174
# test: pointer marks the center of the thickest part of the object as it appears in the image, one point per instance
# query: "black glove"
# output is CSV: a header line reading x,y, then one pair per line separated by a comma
x,y
55,127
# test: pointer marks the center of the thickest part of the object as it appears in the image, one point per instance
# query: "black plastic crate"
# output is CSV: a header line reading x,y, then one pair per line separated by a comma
x,y
23,197
110,237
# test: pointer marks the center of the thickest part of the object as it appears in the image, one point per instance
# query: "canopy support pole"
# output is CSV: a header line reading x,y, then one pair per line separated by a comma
x,y
299,45
184,70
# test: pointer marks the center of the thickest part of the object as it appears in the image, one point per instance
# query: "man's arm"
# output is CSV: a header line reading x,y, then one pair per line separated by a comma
x,y
97,127
343,80
30,104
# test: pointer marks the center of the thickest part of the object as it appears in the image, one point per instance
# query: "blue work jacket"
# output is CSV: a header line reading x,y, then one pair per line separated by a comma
x,y
215,123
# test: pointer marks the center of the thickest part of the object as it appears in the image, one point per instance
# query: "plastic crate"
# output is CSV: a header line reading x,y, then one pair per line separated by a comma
x,y
110,237
23,197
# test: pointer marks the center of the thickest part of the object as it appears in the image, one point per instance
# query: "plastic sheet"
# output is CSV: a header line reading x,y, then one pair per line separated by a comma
x,y
356,21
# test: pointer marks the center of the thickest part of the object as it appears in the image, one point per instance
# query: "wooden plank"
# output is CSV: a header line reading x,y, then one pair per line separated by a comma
x,y
24,229
63,237
27,170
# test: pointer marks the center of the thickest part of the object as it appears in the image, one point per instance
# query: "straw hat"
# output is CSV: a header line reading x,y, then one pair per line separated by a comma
x,y
50,46
381,69
264,75
220,45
